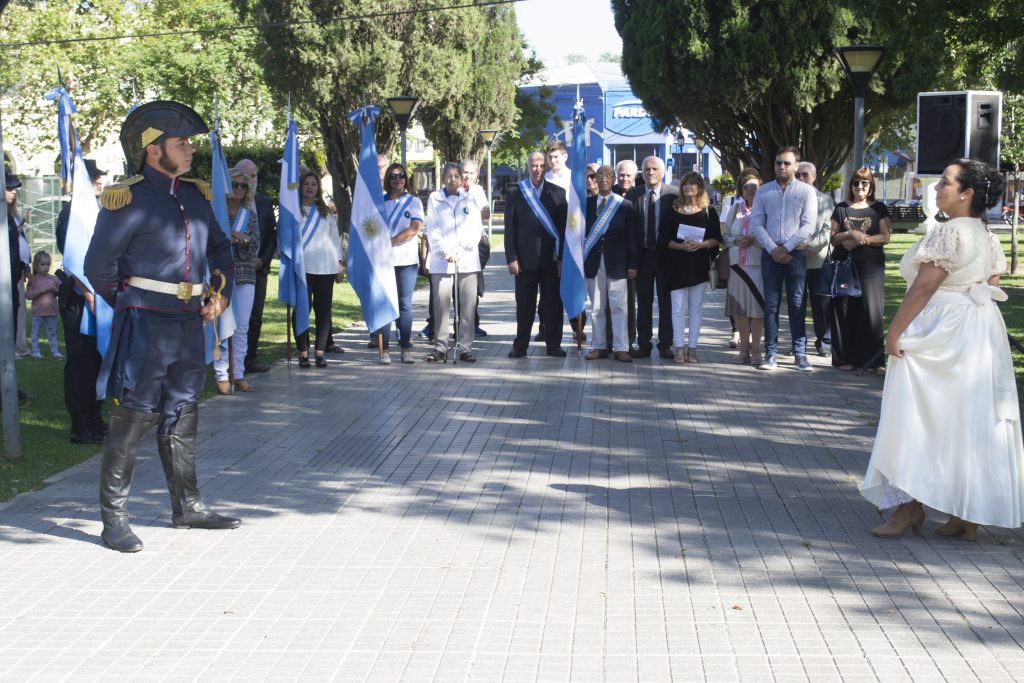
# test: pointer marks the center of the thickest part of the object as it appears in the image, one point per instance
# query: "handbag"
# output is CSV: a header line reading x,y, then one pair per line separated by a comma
x,y
838,276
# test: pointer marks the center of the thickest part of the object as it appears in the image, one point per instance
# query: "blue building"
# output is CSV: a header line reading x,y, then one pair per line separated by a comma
x,y
620,127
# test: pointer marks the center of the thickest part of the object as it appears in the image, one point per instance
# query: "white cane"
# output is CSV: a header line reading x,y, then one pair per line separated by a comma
x,y
458,312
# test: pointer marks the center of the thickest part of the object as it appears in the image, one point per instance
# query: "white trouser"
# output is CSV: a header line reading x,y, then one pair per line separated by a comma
x,y
242,308
607,293
441,290
687,302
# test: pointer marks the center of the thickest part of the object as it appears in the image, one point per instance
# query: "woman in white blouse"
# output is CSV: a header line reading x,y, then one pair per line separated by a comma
x,y
949,435
454,229
404,213
323,260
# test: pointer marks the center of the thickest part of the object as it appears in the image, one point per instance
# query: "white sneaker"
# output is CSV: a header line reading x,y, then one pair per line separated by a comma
x,y
386,358
407,357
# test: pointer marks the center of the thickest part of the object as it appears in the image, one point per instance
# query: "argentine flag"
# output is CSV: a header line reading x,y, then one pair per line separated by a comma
x,y
292,274
82,217
371,267
573,286
220,187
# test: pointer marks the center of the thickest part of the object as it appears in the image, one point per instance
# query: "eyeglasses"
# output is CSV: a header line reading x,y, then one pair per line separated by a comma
x,y
396,176
787,164
239,186
803,174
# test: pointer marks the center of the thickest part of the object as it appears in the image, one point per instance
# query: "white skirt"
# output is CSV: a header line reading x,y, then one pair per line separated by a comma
x,y
949,432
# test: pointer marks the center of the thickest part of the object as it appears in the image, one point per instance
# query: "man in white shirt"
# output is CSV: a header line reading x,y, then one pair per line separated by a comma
x,y
558,173
470,176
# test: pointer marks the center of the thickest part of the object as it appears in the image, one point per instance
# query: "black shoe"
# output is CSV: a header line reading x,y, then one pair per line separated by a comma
x,y
557,353
579,336
467,357
517,353
256,367
24,396
321,361
334,348
304,362
371,345
82,430
86,437
480,332
665,353
641,352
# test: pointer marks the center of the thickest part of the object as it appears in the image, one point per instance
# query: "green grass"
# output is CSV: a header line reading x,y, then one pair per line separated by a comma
x,y
45,449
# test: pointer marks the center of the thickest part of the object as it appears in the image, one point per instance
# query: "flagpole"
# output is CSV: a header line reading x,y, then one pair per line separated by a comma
x,y
579,332
231,364
288,333
380,344
8,374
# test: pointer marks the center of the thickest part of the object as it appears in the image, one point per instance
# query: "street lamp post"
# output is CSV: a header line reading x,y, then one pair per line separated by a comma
x,y
700,142
488,135
403,107
859,62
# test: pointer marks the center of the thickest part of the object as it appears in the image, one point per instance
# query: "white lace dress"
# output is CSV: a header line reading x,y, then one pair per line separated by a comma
x,y
949,433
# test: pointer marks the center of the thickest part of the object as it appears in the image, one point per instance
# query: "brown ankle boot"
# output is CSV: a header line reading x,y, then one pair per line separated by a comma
x,y
907,516
954,526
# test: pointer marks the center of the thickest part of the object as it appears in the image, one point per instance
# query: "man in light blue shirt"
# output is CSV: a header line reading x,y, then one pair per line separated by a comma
x,y
782,221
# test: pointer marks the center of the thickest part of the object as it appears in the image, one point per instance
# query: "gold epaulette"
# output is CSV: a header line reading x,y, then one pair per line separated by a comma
x,y
202,186
118,195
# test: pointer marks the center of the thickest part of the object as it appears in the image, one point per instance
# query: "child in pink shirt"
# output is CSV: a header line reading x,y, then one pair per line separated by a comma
x,y
41,290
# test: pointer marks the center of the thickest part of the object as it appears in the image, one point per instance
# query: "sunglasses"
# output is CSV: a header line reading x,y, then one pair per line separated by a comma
x,y
750,186
396,176
787,164
239,186
862,183
591,176
803,174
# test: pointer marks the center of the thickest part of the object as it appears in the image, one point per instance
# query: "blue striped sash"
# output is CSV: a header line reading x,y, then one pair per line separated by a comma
x,y
612,205
526,189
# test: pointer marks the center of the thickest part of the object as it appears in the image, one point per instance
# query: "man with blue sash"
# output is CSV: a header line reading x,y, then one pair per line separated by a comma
x,y
155,238
611,254
535,215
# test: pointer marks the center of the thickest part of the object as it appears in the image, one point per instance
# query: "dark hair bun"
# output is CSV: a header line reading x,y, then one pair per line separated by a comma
x,y
996,188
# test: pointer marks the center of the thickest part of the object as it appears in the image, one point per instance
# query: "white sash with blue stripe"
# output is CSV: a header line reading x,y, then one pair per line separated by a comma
x,y
526,189
310,227
241,220
398,212
612,205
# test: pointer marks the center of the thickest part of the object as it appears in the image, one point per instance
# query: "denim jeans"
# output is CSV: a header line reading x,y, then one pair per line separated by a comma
x,y
405,278
794,275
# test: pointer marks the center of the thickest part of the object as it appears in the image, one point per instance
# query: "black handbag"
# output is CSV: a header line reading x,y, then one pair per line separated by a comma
x,y
838,276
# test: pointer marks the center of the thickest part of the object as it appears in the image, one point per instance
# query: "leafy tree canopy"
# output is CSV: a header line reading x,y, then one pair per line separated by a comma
x,y
753,76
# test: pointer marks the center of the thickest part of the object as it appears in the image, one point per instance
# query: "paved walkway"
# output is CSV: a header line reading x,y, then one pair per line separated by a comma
x,y
537,519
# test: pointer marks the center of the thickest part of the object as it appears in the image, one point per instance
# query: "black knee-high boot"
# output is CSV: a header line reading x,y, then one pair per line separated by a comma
x,y
127,428
178,456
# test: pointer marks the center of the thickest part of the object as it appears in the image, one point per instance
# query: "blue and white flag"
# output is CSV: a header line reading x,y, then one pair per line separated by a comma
x,y
291,287
82,216
371,268
65,136
220,187
573,287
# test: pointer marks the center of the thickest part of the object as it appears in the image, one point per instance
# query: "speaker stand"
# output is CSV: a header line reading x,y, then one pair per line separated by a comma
x,y
928,204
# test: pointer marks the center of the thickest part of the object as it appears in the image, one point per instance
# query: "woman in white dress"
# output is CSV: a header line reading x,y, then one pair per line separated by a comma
x,y
949,435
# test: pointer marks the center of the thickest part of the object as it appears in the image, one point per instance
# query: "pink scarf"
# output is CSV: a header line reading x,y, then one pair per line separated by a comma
x,y
744,214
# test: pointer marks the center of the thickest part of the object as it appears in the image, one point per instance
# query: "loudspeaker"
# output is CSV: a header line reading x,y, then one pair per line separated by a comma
x,y
954,125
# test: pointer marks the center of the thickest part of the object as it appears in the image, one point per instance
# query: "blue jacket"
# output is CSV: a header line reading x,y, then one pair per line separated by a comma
x,y
166,232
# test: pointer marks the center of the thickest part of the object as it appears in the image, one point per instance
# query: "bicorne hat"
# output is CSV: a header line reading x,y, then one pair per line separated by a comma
x,y
153,123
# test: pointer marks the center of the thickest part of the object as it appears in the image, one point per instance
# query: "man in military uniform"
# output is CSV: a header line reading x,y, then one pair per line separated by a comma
x,y
82,366
155,237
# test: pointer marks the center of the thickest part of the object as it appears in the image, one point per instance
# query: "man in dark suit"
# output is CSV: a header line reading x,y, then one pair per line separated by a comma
x,y
535,215
268,247
611,250
652,200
